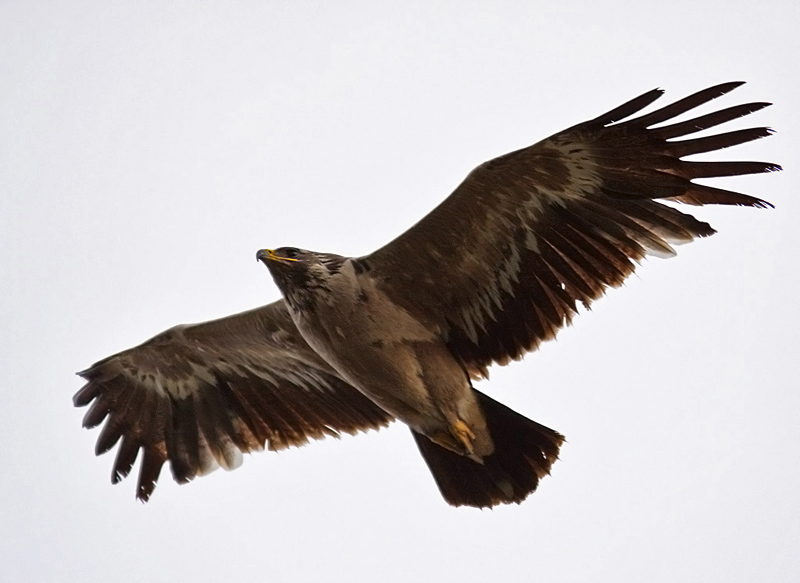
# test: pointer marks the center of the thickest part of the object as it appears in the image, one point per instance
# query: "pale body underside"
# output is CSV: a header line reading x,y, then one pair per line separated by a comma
x,y
395,360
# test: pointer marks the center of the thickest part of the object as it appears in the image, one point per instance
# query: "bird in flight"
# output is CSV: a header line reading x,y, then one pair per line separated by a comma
x,y
356,342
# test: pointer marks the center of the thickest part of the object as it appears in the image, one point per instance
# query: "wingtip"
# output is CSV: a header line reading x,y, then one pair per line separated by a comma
x,y
85,395
144,491
758,106
727,87
93,370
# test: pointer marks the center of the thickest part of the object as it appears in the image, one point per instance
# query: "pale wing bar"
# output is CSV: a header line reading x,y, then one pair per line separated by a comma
x,y
500,265
199,396
586,244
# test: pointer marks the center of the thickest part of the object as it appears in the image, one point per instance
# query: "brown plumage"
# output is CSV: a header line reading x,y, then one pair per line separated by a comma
x,y
495,270
199,395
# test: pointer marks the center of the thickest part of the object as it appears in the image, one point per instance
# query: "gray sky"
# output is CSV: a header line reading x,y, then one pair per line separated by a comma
x,y
147,149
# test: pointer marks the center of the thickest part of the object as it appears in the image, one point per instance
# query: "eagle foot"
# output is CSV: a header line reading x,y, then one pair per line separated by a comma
x,y
463,435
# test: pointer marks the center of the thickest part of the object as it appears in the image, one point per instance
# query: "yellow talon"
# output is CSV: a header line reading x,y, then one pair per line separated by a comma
x,y
463,434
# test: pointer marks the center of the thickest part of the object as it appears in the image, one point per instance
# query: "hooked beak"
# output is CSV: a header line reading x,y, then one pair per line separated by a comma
x,y
266,255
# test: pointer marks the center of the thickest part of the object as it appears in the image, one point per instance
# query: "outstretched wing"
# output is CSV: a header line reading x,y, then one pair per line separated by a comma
x,y
200,395
500,265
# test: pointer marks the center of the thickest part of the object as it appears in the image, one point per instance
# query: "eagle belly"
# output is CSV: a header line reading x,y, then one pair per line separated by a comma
x,y
393,359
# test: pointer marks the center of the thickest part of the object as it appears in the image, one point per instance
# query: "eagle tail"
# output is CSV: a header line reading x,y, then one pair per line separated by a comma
x,y
524,452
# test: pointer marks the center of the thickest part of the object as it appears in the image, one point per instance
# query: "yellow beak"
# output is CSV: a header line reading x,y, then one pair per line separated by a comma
x,y
270,255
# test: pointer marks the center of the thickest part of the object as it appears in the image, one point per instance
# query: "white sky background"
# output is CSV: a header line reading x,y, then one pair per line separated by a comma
x,y
148,149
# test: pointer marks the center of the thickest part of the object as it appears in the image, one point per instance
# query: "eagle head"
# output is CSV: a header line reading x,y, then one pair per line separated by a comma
x,y
301,275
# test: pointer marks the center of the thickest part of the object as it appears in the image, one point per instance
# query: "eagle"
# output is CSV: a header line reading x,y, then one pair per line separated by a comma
x,y
500,266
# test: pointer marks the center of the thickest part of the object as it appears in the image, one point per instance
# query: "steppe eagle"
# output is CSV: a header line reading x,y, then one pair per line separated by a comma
x,y
495,270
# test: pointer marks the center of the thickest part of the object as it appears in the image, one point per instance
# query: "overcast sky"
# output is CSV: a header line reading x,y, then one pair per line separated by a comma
x,y
147,149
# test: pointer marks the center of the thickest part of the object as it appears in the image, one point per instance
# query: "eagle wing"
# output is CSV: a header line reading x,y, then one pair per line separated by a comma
x,y
500,265
199,395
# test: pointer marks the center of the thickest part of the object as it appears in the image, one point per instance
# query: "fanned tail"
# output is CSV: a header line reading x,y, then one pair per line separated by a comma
x,y
524,452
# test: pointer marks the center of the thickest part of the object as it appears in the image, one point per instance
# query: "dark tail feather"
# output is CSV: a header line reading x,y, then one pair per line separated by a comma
x,y
524,452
